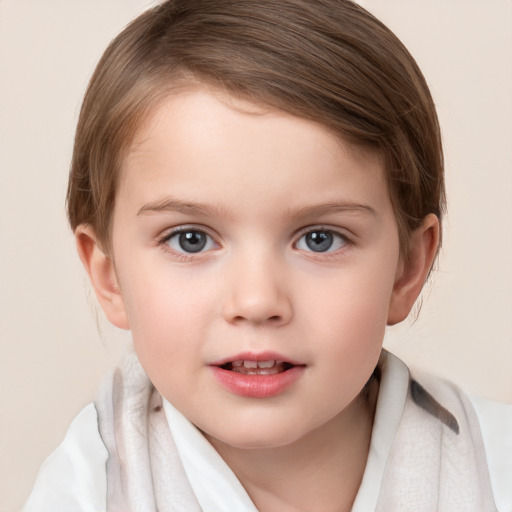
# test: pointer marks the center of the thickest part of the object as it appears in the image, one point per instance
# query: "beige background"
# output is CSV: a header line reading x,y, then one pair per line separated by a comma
x,y
52,352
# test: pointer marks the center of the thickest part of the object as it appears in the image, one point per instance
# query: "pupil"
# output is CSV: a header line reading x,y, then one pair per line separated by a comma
x,y
319,241
192,241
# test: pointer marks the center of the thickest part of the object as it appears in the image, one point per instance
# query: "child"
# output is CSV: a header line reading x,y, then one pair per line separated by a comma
x,y
256,192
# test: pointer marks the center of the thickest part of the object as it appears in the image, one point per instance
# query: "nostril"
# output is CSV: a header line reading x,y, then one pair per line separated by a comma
x,y
272,319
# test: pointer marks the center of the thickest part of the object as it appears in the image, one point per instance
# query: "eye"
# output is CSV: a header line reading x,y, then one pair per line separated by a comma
x,y
189,241
321,240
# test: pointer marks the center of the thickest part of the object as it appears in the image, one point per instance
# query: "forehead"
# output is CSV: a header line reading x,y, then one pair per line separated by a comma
x,y
200,137
207,114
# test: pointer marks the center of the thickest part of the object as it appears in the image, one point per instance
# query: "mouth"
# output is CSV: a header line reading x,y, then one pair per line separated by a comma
x,y
262,375
249,367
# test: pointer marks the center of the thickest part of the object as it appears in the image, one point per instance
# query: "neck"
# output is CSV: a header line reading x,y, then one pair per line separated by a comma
x,y
321,471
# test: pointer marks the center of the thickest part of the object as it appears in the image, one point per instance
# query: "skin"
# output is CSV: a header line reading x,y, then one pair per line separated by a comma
x,y
256,182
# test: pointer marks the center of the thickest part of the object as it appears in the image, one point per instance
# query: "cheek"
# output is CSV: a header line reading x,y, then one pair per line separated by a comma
x,y
355,295
354,327
350,310
168,315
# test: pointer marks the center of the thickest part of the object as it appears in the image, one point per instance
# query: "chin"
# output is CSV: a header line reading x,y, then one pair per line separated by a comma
x,y
254,438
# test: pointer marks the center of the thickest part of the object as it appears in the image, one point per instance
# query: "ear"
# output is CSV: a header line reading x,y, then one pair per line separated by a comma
x,y
101,271
413,271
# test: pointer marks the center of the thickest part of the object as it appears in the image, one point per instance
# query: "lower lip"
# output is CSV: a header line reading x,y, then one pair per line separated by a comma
x,y
257,386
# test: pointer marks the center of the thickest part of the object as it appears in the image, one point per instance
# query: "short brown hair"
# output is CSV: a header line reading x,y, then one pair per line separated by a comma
x,y
329,61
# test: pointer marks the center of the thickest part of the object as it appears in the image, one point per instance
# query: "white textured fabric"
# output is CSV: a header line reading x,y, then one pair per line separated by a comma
x,y
496,424
393,389
73,478
216,487
144,470
437,462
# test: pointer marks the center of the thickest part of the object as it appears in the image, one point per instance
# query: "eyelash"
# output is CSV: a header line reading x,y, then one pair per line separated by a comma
x,y
182,255
336,253
187,256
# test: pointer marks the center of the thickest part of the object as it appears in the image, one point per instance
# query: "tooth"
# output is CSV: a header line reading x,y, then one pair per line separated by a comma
x,y
265,364
250,364
237,363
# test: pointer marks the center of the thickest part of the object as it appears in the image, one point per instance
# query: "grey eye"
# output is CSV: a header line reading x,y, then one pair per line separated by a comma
x,y
321,240
190,241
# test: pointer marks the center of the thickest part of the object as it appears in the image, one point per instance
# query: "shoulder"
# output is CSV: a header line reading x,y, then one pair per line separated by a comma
x,y
465,441
73,477
495,421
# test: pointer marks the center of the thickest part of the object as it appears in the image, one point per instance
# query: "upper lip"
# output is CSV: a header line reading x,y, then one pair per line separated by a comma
x,y
256,356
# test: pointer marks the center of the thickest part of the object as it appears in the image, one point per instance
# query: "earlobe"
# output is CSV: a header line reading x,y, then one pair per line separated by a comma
x,y
412,273
101,271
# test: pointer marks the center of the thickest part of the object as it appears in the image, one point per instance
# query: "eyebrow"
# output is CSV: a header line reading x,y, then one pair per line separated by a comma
x,y
175,205
331,207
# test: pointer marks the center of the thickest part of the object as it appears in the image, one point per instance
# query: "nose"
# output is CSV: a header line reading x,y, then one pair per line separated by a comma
x,y
258,293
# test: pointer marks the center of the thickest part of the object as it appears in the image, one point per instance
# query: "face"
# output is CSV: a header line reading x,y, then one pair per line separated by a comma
x,y
256,255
